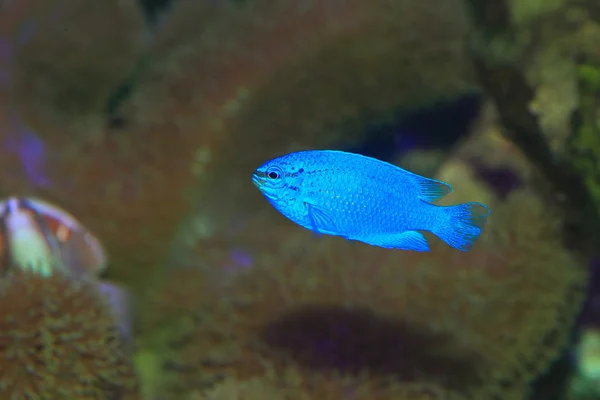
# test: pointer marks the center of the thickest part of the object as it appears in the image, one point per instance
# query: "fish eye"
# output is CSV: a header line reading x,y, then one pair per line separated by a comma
x,y
273,173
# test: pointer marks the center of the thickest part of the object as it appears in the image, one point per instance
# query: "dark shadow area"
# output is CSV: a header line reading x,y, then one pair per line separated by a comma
x,y
154,8
501,180
354,340
590,312
439,126
553,384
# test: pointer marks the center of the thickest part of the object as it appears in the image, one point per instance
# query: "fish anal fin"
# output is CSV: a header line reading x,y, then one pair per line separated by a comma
x,y
430,189
320,220
409,240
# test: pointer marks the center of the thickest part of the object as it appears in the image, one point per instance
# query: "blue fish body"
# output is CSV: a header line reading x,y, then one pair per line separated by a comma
x,y
365,199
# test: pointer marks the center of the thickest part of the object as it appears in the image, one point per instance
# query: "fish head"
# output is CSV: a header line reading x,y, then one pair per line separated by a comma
x,y
280,180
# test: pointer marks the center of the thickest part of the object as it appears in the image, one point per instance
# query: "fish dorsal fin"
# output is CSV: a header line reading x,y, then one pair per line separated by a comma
x,y
430,189
320,220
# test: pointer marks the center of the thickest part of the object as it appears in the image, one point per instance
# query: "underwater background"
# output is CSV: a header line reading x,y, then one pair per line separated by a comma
x,y
144,120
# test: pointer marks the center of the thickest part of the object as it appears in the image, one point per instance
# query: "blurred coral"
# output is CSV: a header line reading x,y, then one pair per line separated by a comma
x,y
329,62
117,187
550,66
265,77
222,87
120,302
480,325
295,387
148,367
59,340
487,145
265,306
524,12
528,68
66,59
62,61
585,383
585,141
254,389
545,38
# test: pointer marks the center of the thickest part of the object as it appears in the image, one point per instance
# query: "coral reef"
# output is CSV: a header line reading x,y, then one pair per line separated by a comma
x,y
255,56
216,78
64,65
267,77
59,340
478,325
294,387
43,239
585,382
561,37
267,310
526,63
523,13
584,144
61,63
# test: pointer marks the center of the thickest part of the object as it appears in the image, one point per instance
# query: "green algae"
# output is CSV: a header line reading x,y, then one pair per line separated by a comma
x,y
584,145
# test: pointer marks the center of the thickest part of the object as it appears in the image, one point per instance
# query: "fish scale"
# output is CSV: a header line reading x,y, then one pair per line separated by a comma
x,y
381,204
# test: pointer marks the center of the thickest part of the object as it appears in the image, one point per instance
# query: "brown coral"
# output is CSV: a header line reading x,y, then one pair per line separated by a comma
x,y
53,123
66,59
271,76
59,340
251,81
295,387
480,325
128,189
328,60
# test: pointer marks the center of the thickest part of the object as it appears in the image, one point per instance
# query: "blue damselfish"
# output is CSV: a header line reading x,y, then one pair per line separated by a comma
x,y
365,199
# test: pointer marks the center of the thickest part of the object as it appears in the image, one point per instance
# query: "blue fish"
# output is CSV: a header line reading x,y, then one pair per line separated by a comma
x,y
367,200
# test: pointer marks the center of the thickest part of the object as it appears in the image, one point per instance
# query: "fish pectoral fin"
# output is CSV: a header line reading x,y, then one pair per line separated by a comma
x,y
430,189
409,240
320,220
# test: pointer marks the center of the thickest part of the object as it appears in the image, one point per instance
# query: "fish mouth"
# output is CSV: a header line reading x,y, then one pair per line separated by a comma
x,y
258,180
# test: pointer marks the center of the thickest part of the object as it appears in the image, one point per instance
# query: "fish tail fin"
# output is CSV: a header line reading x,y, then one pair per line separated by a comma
x,y
462,224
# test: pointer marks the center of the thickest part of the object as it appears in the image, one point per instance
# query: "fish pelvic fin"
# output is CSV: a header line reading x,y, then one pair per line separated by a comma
x,y
430,189
461,225
320,220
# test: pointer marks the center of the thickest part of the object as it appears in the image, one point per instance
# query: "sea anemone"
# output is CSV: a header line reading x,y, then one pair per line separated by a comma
x,y
59,340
